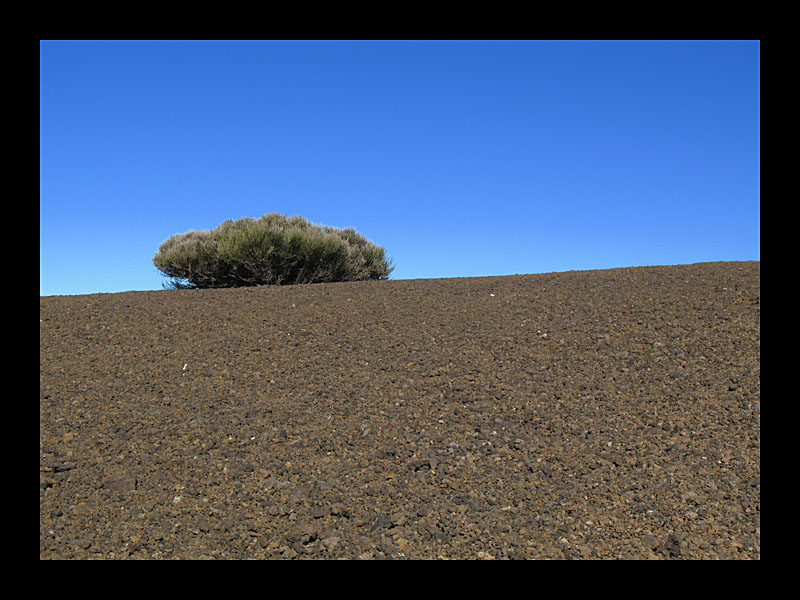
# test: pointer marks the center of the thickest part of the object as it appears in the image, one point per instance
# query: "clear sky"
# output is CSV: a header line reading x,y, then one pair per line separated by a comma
x,y
461,158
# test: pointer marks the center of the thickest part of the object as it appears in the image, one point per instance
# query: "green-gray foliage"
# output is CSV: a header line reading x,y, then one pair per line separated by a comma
x,y
271,250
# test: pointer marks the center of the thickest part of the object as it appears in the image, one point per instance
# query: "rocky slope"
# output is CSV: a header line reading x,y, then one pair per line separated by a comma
x,y
596,414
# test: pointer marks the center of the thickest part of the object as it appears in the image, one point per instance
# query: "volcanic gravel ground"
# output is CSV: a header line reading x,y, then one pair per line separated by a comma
x,y
594,414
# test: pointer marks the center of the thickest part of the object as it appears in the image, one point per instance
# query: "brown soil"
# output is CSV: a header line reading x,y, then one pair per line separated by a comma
x,y
593,414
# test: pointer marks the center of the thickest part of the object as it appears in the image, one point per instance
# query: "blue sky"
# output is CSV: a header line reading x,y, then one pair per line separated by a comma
x,y
461,158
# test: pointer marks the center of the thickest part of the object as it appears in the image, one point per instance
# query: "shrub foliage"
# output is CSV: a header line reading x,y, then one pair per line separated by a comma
x,y
271,250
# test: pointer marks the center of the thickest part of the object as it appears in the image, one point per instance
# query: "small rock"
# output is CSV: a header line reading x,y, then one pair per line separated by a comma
x,y
330,542
383,521
61,468
125,484
650,542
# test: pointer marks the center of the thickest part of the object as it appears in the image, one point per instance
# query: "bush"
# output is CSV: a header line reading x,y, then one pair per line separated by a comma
x,y
271,250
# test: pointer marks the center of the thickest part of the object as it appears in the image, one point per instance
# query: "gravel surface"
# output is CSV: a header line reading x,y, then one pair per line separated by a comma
x,y
589,414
